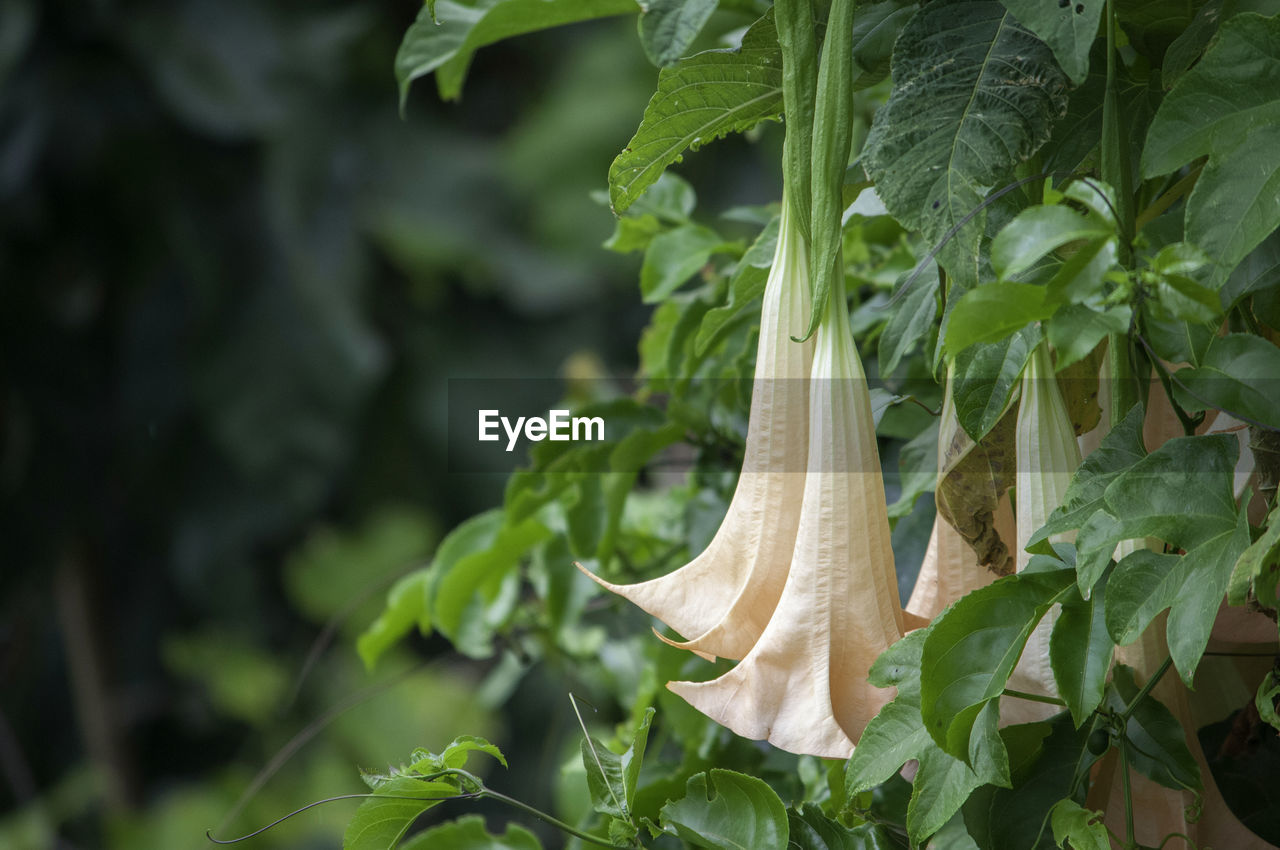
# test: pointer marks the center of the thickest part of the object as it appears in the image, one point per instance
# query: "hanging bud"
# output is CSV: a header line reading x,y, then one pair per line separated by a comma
x,y
722,599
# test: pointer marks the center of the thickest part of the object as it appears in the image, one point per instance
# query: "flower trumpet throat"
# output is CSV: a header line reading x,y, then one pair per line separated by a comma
x,y
1048,455
722,599
803,686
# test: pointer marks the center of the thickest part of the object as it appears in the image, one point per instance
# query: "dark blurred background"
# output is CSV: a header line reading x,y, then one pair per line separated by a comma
x,y
233,284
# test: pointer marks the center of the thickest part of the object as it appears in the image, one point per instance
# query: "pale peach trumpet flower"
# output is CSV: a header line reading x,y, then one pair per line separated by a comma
x,y
803,687
1048,456
722,599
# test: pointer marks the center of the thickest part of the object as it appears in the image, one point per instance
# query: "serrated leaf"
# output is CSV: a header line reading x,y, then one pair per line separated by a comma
x,y
1159,748
701,98
1226,107
985,378
987,754
1069,29
461,27
973,646
1257,272
875,29
1077,827
974,93
1236,374
993,311
668,27
381,821
468,833
725,810
1266,700
1080,650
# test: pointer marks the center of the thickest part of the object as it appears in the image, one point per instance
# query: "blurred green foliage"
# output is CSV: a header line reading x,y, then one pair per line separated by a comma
x,y
232,283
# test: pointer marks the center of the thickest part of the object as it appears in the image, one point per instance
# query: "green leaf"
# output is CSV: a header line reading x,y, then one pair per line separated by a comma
x,y
893,737
676,255
1257,272
406,607
993,311
1080,650
974,94
725,810
701,98
1075,330
875,29
1068,29
1120,449
1235,375
1050,762
668,27
910,323
1181,492
985,378
942,785
1159,748
464,607
1266,699
1144,584
468,833
917,470
987,754
612,778
1082,828
745,288
810,829
461,27
973,646
1226,107
1038,231
381,821
1258,567
455,755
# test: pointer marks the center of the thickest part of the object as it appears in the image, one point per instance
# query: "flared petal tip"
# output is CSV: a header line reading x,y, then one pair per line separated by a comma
x,y
690,645
732,709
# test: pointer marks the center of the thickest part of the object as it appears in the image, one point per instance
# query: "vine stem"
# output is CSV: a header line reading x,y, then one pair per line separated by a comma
x,y
1146,689
1128,793
1009,692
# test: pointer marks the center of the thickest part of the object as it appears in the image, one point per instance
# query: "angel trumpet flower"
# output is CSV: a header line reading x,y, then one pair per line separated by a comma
x,y
722,599
1048,455
803,686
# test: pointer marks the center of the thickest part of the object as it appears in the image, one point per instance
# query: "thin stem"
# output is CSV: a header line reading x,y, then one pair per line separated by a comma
x,y
1128,793
543,816
1167,199
1009,692
1146,689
